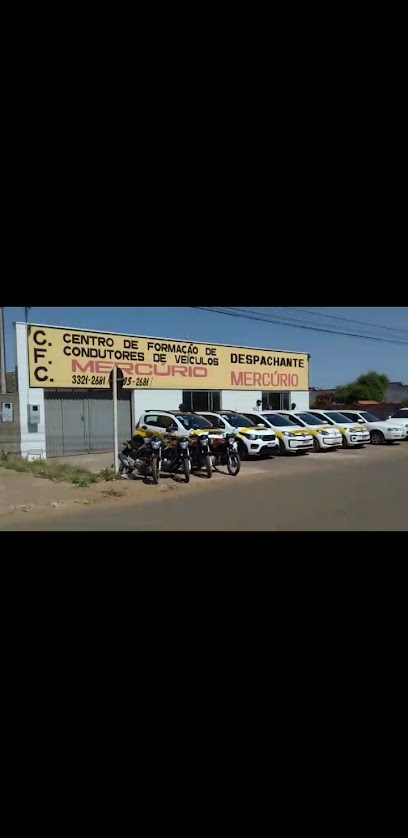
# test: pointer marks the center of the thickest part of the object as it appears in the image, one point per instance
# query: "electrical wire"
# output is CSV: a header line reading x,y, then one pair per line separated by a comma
x,y
294,323
347,319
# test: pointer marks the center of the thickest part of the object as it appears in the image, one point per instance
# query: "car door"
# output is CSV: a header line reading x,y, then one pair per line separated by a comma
x,y
156,422
353,417
216,421
256,418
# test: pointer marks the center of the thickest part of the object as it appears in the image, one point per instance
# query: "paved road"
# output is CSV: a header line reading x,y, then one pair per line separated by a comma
x,y
342,490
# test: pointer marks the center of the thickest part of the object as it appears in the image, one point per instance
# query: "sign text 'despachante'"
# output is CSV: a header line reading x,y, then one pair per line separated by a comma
x,y
75,358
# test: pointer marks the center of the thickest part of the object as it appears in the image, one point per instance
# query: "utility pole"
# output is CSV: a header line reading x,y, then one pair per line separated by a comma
x,y
3,387
115,418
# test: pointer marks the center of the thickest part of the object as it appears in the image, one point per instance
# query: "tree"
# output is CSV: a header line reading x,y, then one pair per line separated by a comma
x,y
370,386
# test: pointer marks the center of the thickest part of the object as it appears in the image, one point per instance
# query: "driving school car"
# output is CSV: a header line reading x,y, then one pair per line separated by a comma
x,y
251,440
291,440
175,423
354,436
380,431
324,436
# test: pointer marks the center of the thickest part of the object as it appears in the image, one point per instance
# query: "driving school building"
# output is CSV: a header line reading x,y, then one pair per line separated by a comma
x,y
64,383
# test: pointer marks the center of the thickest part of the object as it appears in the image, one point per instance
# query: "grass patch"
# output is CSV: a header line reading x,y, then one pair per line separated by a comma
x,y
108,474
57,472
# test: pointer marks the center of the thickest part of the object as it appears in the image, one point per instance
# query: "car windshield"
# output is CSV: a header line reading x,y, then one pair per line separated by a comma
x,y
310,419
191,422
278,420
295,419
237,420
338,417
369,417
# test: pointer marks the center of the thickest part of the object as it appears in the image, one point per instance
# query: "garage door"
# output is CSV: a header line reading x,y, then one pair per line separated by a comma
x,y
100,418
81,421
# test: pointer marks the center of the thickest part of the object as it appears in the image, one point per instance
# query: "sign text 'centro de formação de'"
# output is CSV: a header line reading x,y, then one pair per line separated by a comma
x,y
76,358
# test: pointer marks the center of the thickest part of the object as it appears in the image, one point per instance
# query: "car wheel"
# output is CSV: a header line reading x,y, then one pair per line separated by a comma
x,y
344,442
377,438
316,445
242,451
282,449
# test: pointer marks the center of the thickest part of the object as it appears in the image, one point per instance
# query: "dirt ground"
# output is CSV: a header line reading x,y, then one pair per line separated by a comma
x,y
339,490
22,492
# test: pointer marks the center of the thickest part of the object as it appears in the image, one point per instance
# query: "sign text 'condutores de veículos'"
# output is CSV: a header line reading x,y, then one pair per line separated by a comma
x,y
75,358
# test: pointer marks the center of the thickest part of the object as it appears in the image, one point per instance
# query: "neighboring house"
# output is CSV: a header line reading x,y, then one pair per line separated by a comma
x,y
395,393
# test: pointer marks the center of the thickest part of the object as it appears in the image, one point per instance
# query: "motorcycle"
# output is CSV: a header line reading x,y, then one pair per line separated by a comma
x,y
176,455
200,453
225,452
143,455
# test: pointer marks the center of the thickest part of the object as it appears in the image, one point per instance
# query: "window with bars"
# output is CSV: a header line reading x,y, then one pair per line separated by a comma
x,y
275,401
202,399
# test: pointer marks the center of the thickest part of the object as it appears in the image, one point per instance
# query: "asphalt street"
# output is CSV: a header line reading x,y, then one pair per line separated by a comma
x,y
341,490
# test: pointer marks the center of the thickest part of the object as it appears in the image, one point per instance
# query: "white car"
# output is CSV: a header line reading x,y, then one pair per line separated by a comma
x,y
324,436
400,417
291,439
251,440
176,422
380,432
354,435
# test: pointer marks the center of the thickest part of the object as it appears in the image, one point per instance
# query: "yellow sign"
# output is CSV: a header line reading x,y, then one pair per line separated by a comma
x,y
76,358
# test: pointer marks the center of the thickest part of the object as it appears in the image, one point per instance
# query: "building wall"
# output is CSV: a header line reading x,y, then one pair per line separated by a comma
x,y
301,399
32,443
239,399
10,431
154,400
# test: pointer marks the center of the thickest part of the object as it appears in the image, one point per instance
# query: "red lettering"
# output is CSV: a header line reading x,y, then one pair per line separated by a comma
x,y
180,370
237,379
295,383
126,368
248,379
284,379
146,371
156,370
198,372
102,367
266,379
257,379
89,366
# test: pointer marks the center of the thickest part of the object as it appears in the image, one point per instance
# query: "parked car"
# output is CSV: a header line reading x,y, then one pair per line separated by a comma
x,y
174,422
291,439
251,440
324,436
380,431
354,436
400,417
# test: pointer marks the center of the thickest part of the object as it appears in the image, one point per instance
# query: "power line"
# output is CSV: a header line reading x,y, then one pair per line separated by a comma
x,y
347,319
295,324
321,314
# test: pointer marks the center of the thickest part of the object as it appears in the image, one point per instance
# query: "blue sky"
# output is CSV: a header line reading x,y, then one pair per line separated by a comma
x,y
334,359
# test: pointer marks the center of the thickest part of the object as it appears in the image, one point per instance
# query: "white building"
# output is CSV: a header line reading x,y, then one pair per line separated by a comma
x,y
66,403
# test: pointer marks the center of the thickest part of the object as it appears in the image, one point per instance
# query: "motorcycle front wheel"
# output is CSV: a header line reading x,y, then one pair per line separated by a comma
x,y
208,465
186,469
234,464
155,470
